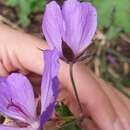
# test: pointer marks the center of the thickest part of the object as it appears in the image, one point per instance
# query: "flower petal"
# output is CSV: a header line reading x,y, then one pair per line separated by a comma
x,y
90,24
52,25
80,24
4,127
50,83
16,97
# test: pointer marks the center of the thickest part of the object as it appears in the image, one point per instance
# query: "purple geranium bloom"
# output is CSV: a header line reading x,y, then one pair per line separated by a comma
x,y
17,100
69,28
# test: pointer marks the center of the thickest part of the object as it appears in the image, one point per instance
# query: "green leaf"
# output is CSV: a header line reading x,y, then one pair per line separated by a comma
x,y
11,2
113,32
122,15
115,13
25,10
104,9
63,110
39,6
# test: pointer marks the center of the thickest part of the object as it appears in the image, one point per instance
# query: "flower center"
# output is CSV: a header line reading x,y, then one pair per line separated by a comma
x,y
35,125
67,52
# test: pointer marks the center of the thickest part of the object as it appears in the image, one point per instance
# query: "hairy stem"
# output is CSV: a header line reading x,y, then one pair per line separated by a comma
x,y
74,87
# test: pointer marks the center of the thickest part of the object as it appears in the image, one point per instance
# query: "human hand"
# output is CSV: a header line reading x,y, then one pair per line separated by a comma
x,y
108,109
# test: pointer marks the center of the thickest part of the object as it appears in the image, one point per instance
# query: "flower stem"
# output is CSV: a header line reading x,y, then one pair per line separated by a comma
x,y
74,87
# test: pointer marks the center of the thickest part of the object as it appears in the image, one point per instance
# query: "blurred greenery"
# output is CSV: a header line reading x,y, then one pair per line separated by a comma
x,y
69,122
26,7
114,15
63,110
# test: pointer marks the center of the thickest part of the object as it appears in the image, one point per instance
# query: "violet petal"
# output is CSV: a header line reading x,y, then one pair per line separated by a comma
x,y
90,24
4,127
52,25
80,24
50,84
16,97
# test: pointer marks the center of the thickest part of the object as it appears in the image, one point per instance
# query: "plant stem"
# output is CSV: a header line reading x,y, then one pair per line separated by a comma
x,y
74,87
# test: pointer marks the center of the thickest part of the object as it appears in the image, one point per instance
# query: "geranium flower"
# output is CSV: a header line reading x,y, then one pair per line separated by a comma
x,y
17,101
69,28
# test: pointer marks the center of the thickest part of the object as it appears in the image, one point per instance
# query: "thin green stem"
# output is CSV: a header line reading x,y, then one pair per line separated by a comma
x,y
74,87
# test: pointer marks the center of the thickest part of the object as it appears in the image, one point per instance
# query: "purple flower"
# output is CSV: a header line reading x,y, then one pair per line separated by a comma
x,y
70,28
17,100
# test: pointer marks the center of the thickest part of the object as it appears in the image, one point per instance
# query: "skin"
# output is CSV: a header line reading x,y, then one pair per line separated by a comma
x,y
108,108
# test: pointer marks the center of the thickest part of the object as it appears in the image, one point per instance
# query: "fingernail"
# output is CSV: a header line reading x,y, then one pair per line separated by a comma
x,y
118,125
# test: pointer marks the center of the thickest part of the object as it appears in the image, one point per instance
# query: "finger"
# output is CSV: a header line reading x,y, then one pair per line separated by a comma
x,y
10,61
3,71
119,105
21,50
68,99
89,124
5,59
124,98
31,57
92,96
